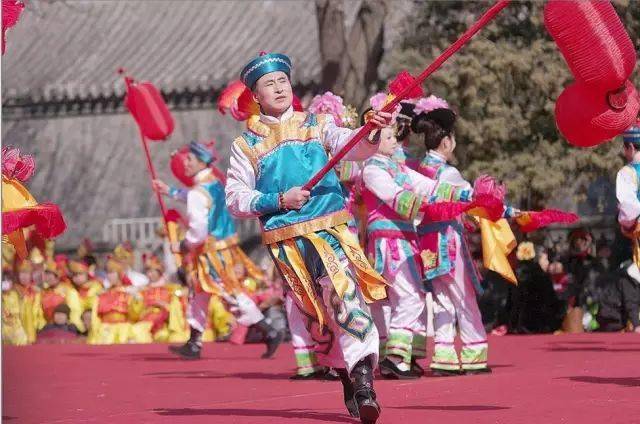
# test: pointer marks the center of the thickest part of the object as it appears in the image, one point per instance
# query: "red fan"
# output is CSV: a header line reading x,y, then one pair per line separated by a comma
x,y
602,103
20,209
238,100
486,205
230,95
531,221
177,166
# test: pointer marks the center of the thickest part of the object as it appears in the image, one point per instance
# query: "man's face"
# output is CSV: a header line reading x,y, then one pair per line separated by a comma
x,y
193,165
60,318
273,93
24,277
51,279
153,274
80,278
629,150
114,278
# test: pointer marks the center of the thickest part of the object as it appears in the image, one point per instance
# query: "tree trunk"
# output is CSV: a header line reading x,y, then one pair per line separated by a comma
x,y
350,62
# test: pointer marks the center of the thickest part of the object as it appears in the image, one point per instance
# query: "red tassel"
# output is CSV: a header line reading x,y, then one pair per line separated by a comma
x,y
531,221
403,80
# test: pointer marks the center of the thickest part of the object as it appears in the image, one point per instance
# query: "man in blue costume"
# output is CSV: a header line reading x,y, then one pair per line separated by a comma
x,y
306,231
212,243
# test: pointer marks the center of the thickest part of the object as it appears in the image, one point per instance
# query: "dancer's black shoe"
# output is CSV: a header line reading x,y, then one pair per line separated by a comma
x,y
416,369
347,392
272,338
191,349
389,370
437,372
330,374
485,370
365,396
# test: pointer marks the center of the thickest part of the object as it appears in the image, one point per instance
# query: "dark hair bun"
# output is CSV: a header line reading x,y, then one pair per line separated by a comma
x,y
433,132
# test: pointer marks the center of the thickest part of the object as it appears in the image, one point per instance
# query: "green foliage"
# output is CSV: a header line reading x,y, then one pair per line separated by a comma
x,y
504,84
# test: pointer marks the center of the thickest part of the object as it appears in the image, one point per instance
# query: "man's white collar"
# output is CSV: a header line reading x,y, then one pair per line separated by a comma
x,y
202,175
266,119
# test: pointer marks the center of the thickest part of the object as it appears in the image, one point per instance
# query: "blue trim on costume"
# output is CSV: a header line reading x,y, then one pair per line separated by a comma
x,y
411,258
201,152
265,203
251,138
265,64
632,135
311,121
391,225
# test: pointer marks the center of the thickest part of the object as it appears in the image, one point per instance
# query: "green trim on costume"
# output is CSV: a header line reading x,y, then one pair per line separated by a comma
x,y
419,346
444,354
406,204
471,355
399,344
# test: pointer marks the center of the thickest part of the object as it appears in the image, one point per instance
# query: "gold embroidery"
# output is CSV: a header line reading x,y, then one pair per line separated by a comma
x,y
372,285
429,258
306,227
226,243
248,151
331,263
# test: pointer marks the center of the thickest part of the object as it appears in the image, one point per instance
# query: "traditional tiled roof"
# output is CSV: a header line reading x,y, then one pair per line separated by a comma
x,y
72,49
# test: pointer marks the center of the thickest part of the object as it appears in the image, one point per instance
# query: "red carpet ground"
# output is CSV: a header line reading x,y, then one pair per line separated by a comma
x,y
537,379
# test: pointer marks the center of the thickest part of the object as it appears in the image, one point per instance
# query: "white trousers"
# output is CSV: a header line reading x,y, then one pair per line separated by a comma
x,y
241,306
301,340
408,318
456,310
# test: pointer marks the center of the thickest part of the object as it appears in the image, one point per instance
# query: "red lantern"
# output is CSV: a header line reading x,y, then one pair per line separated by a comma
x,y
592,40
602,103
586,118
148,108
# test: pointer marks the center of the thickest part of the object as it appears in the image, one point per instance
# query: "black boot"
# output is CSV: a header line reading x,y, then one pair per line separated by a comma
x,y
347,391
272,338
365,396
191,349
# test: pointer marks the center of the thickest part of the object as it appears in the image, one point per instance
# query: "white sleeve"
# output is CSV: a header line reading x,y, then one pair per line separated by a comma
x,y
452,176
405,203
421,184
627,195
335,138
198,205
240,189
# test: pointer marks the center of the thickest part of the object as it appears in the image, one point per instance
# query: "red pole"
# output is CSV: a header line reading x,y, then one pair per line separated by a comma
x,y
152,174
367,128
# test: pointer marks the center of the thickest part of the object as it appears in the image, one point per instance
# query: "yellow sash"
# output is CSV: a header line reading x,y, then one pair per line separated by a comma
x,y
299,279
497,243
371,283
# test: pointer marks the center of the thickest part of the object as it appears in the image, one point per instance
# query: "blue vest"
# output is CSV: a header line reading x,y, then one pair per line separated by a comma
x,y
287,155
221,225
636,168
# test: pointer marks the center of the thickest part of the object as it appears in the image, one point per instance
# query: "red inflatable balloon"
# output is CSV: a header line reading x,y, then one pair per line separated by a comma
x,y
586,118
592,40
148,108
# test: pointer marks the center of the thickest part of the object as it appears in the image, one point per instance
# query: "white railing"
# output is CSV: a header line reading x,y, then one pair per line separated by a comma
x,y
139,231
